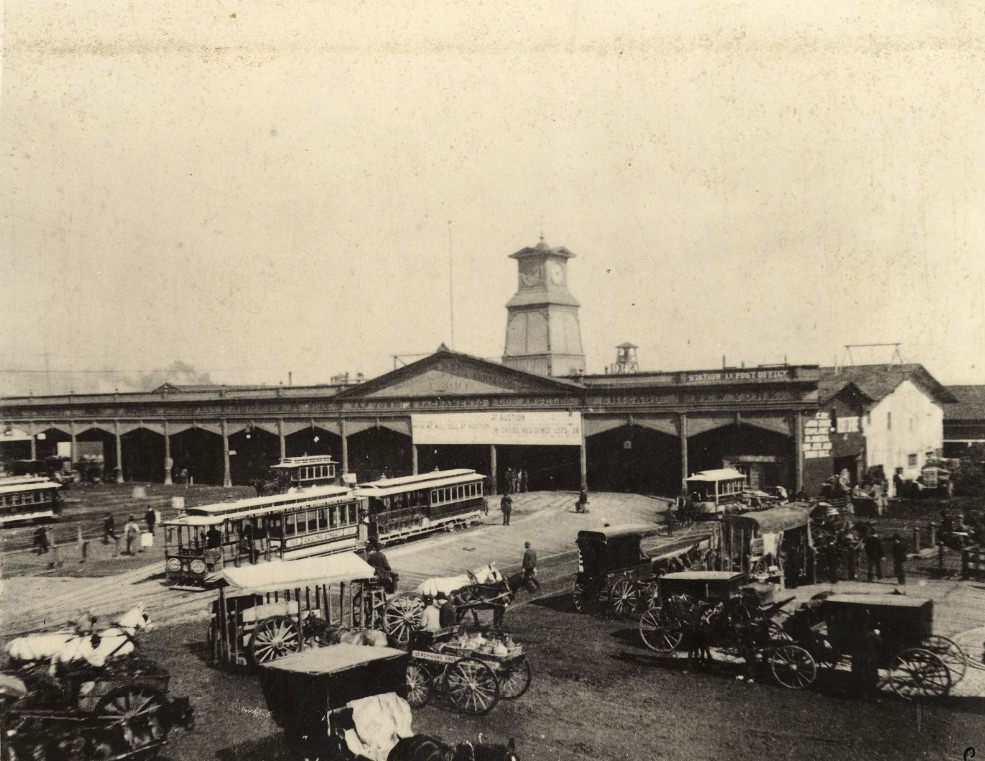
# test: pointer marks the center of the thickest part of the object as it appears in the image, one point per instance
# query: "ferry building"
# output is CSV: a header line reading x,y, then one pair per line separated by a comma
x,y
536,410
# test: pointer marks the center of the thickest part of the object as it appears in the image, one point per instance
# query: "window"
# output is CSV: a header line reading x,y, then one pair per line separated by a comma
x,y
911,460
312,520
322,519
333,516
290,528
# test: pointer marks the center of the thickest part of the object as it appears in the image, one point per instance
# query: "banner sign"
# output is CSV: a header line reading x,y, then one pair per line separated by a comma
x,y
552,428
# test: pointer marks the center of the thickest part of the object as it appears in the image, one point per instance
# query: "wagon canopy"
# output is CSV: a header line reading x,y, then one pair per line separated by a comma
x,y
774,520
268,577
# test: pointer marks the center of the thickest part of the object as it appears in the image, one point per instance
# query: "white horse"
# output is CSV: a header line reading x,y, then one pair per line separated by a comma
x,y
81,643
445,585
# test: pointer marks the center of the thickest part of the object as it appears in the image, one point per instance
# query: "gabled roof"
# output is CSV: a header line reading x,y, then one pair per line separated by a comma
x,y
829,388
879,381
969,404
474,376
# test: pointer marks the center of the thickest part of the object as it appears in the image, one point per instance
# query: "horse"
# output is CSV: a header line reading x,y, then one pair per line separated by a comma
x,y
82,643
427,748
445,585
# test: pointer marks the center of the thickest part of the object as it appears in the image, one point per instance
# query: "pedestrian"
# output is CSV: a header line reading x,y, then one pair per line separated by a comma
x,y
899,560
831,560
40,541
131,532
83,545
150,518
529,566
865,661
56,561
509,480
523,479
698,651
874,554
109,528
506,505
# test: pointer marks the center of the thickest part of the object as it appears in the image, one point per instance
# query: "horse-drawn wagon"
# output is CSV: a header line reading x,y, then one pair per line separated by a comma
x,y
618,567
894,632
266,612
475,669
724,607
478,589
346,703
86,695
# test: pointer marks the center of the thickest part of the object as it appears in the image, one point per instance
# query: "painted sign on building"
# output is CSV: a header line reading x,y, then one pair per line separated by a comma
x,y
817,436
529,428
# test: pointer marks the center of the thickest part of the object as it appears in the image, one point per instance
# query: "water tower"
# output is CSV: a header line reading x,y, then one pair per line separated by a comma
x,y
626,361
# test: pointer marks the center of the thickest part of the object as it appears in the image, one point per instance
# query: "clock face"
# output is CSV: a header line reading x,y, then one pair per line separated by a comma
x,y
531,274
556,271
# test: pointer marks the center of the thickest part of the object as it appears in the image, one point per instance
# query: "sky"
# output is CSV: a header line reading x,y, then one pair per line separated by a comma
x,y
247,190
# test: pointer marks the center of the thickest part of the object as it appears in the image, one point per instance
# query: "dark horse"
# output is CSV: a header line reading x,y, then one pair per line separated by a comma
x,y
425,748
496,596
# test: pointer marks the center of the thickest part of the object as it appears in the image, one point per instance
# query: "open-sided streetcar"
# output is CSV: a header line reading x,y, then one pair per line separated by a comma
x,y
28,498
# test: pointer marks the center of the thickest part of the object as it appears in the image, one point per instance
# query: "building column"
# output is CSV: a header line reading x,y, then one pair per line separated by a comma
x,y
492,468
119,452
227,479
798,434
282,439
73,450
168,462
345,446
413,458
583,459
682,426
34,441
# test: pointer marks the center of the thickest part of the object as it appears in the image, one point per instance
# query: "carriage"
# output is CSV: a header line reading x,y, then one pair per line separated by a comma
x,y
618,567
343,702
733,610
828,631
479,589
120,710
266,612
475,669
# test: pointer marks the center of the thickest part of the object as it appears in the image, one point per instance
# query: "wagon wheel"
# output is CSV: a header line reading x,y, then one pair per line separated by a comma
x,y
514,679
472,687
420,686
273,638
585,598
403,616
793,666
658,632
132,711
918,673
950,652
624,596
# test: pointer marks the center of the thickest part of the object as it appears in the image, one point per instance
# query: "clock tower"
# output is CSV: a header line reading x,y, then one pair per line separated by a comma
x,y
542,331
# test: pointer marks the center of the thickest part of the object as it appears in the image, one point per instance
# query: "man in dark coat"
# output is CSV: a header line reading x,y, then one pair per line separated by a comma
x,y
899,559
109,528
530,568
506,505
874,554
381,565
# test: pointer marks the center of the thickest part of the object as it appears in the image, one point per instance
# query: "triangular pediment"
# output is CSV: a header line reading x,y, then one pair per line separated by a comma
x,y
447,373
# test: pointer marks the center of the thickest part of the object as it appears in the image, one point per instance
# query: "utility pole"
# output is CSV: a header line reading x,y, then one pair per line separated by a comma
x,y
451,286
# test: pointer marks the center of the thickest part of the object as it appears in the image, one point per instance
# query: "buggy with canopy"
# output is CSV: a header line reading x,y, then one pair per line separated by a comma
x,y
618,566
265,612
776,542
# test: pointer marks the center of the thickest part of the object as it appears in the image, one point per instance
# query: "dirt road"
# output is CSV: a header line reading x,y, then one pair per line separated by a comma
x,y
597,696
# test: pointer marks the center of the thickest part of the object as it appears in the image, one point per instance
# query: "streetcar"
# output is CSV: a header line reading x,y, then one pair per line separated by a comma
x,y
305,472
404,507
315,521
28,498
